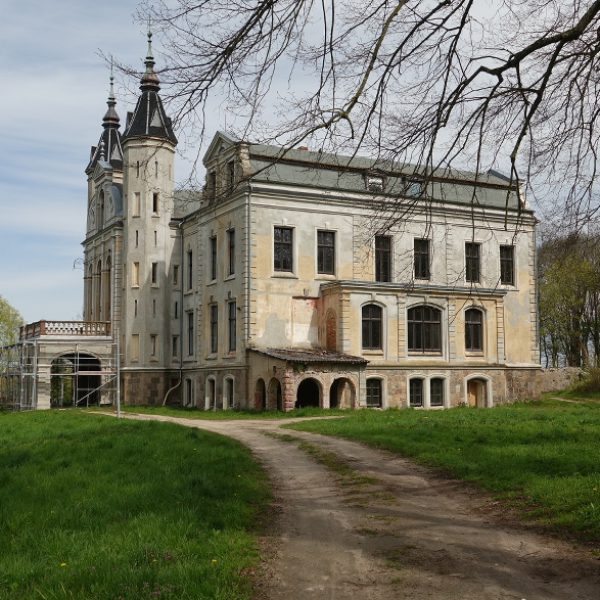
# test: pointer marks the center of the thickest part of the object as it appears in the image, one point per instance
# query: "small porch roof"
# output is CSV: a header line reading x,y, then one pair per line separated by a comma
x,y
311,355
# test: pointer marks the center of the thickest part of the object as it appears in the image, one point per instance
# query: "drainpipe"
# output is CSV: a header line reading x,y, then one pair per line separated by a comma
x,y
247,290
181,281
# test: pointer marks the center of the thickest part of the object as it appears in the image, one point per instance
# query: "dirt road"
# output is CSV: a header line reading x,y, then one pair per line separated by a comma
x,y
354,523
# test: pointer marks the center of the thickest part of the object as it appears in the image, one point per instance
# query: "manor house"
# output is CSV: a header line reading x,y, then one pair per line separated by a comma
x,y
299,278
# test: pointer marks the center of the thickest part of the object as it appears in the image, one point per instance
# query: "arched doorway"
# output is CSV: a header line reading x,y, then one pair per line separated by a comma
x,y
341,393
477,392
211,394
275,398
260,394
229,397
75,380
308,394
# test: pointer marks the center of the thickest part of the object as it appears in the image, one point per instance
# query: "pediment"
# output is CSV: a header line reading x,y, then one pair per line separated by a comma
x,y
220,143
102,170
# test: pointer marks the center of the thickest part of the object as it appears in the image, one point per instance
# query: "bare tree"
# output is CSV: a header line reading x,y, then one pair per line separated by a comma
x,y
435,83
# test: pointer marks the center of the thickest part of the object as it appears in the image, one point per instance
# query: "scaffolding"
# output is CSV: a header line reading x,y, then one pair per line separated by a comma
x,y
18,376
58,373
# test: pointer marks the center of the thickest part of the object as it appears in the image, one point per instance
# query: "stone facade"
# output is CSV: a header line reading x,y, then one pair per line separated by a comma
x,y
290,280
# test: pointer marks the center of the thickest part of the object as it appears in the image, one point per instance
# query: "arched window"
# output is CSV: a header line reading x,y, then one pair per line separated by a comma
x,y
374,393
424,329
473,329
436,392
416,393
372,327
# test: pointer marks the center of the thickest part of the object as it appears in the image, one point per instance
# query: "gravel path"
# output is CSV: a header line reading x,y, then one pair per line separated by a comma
x,y
370,525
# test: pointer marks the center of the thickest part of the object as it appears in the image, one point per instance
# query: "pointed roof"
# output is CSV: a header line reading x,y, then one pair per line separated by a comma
x,y
109,149
149,118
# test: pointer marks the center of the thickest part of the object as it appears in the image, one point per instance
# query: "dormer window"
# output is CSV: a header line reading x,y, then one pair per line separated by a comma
x,y
374,183
413,188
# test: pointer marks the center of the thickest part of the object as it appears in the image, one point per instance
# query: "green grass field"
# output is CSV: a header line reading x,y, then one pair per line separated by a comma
x,y
95,508
542,457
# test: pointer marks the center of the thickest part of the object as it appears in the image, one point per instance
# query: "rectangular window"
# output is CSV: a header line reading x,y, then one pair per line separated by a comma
x,y
326,252
137,238
190,270
507,265
135,274
155,203
137,205
135,347
383,258
153,307
231,248
213,257
154,273
283,249
214,328
374,393
422,259
135,305
175,274
232,318
230,175
153,344
211,184
472,262
176,310
416,392
436,392
175,346
190,331
155,238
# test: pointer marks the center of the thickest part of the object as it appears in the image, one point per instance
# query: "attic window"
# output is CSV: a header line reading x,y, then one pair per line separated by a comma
x,y
374,183
413,188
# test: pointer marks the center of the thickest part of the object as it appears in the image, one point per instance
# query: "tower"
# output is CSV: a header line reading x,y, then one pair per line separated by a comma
x,y
148,155
103,241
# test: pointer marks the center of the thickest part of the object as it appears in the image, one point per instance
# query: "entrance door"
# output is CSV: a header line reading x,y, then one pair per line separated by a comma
x,y
476,392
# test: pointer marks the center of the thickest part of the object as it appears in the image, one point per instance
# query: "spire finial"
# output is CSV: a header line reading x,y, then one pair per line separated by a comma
x,y
150,80
111,95
111,118
149,37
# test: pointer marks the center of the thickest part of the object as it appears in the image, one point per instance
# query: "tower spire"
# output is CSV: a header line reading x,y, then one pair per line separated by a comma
x,y
109,148
150,79
111,118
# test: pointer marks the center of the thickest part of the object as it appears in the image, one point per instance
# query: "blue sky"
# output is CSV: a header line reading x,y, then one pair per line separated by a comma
x,y
54,90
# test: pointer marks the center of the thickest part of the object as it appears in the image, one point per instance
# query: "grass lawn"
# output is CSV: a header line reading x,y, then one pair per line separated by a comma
x,y
194,413
95,508
543,457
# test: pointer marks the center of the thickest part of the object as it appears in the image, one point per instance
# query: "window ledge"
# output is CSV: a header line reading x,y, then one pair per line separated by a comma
x,y
373,352
229,277
284,275
475,353
212,356
188,292
211,282
417,354
326,277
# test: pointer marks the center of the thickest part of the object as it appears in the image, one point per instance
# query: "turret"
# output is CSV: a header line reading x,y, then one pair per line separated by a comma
x,y
149,150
